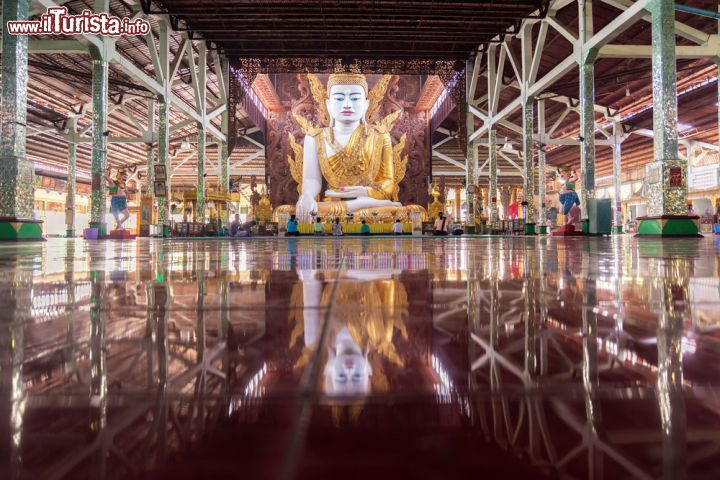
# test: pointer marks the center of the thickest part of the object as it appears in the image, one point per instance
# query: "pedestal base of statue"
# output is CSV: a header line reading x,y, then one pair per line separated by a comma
x,y
394,213
618,229
529,229
14,229
567,231
69,233
669,226
120,234
470,229
542,230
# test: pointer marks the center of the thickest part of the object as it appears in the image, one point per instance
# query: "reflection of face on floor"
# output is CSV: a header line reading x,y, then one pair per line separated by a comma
x,y
358,348
347,371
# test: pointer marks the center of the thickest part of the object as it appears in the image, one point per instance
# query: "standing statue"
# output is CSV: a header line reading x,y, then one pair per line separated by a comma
x,y
568,197
355,157
118,189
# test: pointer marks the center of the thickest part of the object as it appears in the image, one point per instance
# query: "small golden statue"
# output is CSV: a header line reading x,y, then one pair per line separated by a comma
x,y
436,206
262,210
355,156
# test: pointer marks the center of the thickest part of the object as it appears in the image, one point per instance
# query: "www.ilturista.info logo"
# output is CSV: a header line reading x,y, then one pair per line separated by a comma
x,y
57,21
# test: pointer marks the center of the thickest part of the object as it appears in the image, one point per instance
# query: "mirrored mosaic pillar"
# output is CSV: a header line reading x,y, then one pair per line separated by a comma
x,y
542,226
528,168
492,168
164,160
98,195
587,129
224,158
201,151
16,170
617,171
666,176
71,187
151,150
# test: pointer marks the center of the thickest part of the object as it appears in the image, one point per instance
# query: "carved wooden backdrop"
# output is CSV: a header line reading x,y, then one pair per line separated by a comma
x,y
296,98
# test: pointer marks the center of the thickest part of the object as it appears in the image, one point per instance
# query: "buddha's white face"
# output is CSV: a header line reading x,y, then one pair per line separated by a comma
x,y
347,371
347,103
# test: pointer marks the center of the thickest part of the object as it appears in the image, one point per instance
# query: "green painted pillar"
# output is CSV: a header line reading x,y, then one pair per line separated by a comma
x,y
666,176
492,170
17,193
528,167
98,195
151,149
71,181
201,152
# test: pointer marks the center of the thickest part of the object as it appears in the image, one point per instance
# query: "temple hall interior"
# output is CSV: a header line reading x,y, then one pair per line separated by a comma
x,y
359,239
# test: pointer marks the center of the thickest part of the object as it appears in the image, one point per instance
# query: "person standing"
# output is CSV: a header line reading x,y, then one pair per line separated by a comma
x,y
441,226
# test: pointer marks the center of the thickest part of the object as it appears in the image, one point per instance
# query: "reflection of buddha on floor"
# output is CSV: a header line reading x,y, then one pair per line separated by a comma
x,y
358,160
359,343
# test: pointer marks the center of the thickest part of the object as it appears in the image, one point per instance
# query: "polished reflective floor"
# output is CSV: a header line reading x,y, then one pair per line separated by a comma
x,y
360,358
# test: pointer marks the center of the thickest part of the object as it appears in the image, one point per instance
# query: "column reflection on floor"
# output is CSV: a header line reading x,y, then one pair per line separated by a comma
x,y
573,357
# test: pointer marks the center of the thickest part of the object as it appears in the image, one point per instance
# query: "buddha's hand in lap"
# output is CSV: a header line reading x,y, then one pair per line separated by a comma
x,y
305,206
347,192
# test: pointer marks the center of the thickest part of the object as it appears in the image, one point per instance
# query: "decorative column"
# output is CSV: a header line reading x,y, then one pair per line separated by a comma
x,y
224,160
71,180
471,150
200,205
527,126
528,170
587,110
17,194
505,200
98,195
541,167
666,176
617,171
492,181
164,160
163,137
151,149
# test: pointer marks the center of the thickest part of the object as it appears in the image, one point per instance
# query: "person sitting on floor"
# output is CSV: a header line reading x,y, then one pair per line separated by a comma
x,y
397,227
441,225
292,227
318,228
337,228
364,228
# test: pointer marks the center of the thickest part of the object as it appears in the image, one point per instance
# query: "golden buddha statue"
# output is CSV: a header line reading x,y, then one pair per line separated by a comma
x,y
357,159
